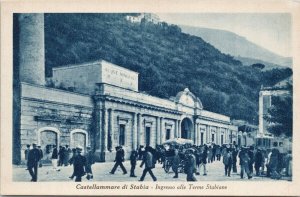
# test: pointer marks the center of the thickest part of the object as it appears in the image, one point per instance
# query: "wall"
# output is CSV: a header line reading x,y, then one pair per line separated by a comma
x,y
83,77
55,110
80,77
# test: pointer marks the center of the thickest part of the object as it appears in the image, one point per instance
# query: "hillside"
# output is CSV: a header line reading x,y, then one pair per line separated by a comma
x,y
235,45
167,59
249,61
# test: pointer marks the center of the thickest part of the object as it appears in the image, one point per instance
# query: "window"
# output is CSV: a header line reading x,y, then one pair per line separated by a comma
x,y
168,133
213,137
122,135
148,130
202,135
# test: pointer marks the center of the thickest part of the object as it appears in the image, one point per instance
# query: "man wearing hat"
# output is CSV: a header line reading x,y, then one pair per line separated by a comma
x,y
41,155
149,162
119,160
79,164
32,163
26,152
90,160
190,165
244,162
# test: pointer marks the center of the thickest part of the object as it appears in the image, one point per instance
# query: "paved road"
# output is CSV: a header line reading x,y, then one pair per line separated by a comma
x,y
215,172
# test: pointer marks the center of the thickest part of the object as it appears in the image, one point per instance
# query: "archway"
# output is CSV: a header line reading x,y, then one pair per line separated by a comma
x,y
47,137
186,128
79,137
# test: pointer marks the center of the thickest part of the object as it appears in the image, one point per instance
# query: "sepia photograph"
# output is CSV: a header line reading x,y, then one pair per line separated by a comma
x,y
150,101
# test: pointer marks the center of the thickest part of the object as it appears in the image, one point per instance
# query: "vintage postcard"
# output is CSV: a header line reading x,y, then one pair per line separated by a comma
x,y
150,98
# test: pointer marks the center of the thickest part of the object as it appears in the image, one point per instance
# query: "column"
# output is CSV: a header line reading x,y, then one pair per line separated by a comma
x,y
198,134
139,130
98,133
195,136
179,129
111,132
208,134
134,131
162,135
176,130
204,135
105,129
158,130
217,135
173,130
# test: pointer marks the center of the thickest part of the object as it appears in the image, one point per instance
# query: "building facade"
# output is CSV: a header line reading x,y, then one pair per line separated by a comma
x,y
98,104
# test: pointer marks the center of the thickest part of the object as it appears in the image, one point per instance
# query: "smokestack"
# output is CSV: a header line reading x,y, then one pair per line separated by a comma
x,y
32,48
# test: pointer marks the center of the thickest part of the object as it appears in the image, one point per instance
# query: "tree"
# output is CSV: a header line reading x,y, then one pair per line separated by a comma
x,y
258,65
280,116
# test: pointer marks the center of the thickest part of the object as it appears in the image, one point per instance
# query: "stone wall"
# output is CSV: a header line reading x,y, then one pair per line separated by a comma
x,y
43,117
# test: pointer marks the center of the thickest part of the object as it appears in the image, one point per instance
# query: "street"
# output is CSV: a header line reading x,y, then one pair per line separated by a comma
x,y
215,172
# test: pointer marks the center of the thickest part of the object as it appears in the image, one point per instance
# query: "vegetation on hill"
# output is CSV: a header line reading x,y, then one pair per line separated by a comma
x,y
167,59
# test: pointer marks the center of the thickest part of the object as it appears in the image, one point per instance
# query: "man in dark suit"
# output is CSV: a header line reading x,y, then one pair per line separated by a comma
x,y
119,160
32,163
41,155
79,165
149,162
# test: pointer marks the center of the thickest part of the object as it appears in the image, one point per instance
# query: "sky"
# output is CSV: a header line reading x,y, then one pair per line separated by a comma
x,y
269,30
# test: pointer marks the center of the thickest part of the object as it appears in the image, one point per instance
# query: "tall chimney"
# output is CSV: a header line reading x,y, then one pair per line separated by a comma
x,y
32,48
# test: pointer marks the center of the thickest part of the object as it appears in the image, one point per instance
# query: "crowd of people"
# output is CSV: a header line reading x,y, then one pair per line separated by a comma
x,y
189,159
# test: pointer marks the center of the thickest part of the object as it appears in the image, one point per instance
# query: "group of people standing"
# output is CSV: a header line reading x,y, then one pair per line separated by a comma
x,y
187,158
64,156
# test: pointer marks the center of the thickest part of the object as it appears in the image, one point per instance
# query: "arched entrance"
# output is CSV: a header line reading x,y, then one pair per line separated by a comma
x,y
79,137
47,137
186,128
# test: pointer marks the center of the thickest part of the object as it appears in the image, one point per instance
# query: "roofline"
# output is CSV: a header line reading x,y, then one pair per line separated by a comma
x,y
70,66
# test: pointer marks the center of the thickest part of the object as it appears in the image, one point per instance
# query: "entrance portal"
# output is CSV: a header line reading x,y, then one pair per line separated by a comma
x,y
48,138
79,139
186,128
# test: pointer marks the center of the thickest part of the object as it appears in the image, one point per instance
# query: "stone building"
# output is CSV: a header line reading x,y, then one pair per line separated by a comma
x,y
281,89
99,106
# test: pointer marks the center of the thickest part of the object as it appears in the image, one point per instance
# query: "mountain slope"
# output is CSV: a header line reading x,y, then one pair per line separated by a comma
x,y
235,45
167,59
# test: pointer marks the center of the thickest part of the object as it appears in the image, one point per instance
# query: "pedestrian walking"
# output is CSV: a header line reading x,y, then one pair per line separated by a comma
x,y
32,163
251,156
149,163
209,154
26,152
133,158
227,160
54,158
79,165
289,158
214,148
71,161
234,158
203,162
119,160
244,163
218,153
258,161
175,163
90,160
66,158
61,156
41,156
273,164
190,165
141,152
